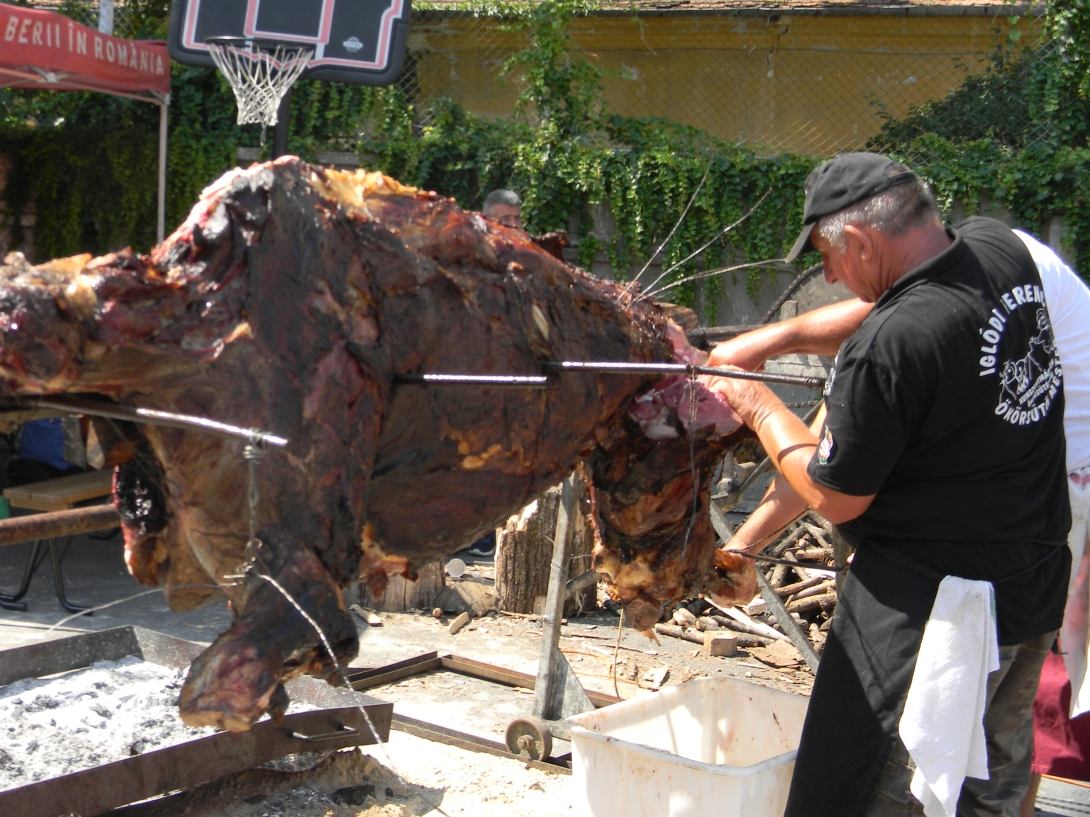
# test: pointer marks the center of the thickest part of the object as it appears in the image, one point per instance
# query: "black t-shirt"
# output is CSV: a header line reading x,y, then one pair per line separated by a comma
x,y
947,404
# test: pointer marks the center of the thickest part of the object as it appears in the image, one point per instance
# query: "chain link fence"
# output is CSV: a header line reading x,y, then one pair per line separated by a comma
x,y
808,84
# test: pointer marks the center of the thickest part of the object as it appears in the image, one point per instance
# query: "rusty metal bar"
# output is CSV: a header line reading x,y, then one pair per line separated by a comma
x,y
116,784
55,524
367,678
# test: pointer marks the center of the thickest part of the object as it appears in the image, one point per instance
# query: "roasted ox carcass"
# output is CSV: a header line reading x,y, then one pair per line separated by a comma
x,y
291,300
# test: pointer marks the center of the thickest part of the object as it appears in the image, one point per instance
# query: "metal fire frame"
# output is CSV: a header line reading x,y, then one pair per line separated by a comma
x,y
339,723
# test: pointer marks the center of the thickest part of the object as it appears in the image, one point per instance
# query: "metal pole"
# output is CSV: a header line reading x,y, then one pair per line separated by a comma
x,y
627,367
161,220
547,676
283,124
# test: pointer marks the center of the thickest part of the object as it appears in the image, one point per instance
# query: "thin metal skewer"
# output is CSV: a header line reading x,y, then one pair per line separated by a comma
x,y
804,565
554,367
502,381
154,417
608,367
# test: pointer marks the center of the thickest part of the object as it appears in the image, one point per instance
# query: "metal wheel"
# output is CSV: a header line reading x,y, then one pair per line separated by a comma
x,y
530,738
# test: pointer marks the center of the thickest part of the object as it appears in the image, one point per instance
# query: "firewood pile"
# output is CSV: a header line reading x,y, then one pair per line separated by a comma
x,y
808,595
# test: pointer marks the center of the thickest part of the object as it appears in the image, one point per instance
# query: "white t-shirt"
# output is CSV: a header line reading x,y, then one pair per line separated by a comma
x,y
1068,302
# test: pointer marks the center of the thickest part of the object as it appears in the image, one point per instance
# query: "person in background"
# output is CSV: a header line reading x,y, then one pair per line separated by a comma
x,y
504,207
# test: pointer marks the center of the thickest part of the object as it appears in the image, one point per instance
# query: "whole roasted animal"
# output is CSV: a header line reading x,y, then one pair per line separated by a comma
x,y
292,299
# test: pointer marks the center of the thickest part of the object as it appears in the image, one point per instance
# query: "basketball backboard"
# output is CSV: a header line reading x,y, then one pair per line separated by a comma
x,y
355,41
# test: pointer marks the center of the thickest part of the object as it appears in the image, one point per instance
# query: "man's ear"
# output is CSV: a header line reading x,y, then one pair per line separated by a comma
x,y
863,237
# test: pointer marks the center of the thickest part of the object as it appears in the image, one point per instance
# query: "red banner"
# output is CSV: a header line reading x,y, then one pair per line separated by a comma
x,y
48,51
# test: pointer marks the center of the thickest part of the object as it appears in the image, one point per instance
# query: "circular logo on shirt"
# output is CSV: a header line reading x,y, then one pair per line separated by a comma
x,y
1028,384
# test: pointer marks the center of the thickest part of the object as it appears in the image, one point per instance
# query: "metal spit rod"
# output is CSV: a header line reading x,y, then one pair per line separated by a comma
x,y
135,414
554,367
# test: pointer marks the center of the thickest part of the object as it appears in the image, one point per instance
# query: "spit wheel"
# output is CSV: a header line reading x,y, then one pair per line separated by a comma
x,y
529,737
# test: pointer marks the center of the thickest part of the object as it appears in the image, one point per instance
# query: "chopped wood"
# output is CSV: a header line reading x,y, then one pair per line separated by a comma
x,y
683,618
707,623
720,644
827,601
815,554
367,615
777,550
458,623
437,612
654,678
696,637
821,522
756,626
818,533
674,631
780,655
816,590
791,589
757,606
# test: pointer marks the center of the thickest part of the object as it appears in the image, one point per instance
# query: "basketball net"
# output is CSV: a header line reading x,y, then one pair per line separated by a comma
x,y
259,76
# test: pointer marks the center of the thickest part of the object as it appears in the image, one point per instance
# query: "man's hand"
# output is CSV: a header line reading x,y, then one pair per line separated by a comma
x,y
735,579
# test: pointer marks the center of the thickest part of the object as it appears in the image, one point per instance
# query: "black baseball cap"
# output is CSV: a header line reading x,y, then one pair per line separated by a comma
x,y
840,183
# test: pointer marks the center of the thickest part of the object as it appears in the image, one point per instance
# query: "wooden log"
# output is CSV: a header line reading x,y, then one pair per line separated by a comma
x,y
791,589
697,637
815,554
816,590
57,523
402,594
524,551
780,547
824,602
683,618
720,644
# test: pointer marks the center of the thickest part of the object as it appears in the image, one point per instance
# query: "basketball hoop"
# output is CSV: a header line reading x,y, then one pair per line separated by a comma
x,y
260,73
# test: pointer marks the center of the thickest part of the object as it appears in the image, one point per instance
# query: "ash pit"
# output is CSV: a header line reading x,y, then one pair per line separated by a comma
x,y
85,718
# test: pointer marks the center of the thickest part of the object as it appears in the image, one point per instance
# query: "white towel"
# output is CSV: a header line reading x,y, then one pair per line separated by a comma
x,y
943,723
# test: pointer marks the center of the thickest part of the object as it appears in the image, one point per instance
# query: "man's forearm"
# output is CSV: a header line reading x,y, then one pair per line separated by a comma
x,y
818,332
779,507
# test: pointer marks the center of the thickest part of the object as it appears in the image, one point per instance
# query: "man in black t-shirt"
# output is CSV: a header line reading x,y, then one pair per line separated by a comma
x,y
942,455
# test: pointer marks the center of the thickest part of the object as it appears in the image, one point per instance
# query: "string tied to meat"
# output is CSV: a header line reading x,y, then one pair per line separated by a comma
x,y
254,452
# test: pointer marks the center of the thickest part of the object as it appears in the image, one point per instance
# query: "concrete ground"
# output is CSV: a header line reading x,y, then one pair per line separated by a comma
x,y
95,575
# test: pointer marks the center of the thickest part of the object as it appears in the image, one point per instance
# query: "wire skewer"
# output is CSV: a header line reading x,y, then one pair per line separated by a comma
x,y
154,417
607,367
555,367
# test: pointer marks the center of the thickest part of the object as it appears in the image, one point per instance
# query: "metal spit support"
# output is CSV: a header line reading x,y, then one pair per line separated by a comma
x,y
558,694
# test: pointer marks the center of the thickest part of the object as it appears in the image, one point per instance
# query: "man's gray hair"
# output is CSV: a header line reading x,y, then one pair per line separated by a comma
x,y
507,197
892,213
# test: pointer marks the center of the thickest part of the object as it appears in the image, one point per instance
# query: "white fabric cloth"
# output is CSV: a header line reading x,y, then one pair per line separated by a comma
x,y
943,721
1068,302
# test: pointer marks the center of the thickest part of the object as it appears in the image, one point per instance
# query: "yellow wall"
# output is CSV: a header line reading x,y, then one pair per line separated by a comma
x,y
801,83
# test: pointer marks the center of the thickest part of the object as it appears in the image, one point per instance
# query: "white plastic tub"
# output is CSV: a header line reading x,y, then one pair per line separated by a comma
x,y
714,746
